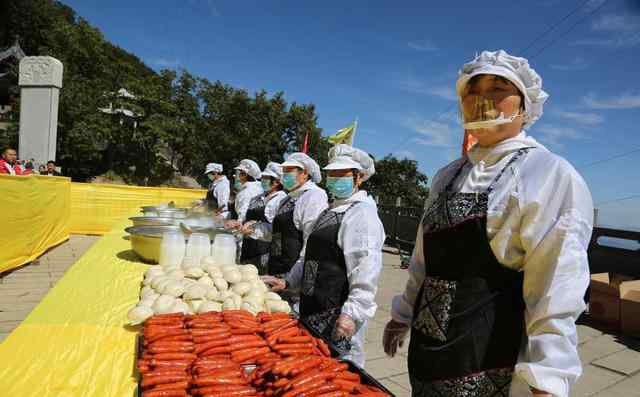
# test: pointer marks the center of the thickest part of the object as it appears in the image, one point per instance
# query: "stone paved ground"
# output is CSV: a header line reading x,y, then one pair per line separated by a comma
x,y
22,288
611,363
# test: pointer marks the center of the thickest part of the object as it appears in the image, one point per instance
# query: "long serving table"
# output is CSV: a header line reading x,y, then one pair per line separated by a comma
x,y
76,342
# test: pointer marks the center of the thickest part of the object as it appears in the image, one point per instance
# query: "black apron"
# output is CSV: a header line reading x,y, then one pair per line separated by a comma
x,y
255,251
468,322
325,285
212,200
286,242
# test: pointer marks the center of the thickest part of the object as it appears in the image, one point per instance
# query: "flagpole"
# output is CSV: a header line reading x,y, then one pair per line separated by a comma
x,y
355,128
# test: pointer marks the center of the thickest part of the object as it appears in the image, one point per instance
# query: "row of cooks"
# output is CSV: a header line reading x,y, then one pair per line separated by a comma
x,y
499,270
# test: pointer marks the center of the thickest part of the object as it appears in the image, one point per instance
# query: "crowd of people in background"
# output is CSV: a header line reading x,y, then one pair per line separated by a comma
x,y
11,165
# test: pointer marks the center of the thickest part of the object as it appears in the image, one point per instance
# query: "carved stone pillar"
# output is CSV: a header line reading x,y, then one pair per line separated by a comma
x,y
40,82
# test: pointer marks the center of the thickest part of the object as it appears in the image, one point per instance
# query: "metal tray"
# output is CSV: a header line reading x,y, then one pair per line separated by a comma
x,y
367,379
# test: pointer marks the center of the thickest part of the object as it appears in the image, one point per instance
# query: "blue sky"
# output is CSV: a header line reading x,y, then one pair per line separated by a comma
x,y
394,67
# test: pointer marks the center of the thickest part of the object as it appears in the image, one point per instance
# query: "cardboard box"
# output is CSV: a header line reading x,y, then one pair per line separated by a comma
x,y
630,309
615,300
604,300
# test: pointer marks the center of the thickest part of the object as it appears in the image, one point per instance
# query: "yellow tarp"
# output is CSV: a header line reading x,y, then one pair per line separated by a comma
x,y
34,214
39,212
96,208
75,342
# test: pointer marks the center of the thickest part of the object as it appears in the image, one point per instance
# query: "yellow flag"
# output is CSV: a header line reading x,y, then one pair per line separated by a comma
x,y
344,135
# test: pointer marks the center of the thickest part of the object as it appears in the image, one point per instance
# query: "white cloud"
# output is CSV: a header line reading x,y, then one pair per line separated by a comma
x,y
575,64
622,41
166,63
433,133
554,135
420,87
623,101
405,154
623,30
424,45
616,23
581,118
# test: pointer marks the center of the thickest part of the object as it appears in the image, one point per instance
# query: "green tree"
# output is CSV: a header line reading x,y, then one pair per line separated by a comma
x,y
398,178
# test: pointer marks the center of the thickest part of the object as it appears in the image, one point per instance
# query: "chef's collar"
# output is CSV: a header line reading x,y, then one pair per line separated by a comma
x,y
306,186
492,154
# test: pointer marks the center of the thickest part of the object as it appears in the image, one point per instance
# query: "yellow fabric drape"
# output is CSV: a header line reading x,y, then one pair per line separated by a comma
x,y
39,212
76,341
34,214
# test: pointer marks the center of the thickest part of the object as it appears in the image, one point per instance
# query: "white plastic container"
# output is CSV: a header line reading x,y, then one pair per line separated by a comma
x,y
172,249
198,246
224,249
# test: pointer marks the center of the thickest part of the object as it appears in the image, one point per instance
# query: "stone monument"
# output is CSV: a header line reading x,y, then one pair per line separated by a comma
x,y
40,82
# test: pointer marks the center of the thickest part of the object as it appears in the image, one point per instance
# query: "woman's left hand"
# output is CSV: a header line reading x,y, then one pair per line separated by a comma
x,y
247,228
345,327
232,224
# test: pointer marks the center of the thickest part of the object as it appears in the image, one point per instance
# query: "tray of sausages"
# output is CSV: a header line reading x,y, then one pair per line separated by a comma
x,y
219,354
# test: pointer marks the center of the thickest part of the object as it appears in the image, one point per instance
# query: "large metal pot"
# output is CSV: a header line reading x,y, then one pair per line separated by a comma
x,y
153,221
164,211
145,240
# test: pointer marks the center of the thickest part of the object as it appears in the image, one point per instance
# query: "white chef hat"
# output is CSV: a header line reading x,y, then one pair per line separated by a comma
x,y
302,161
213,167
273,170
516,70
249,167
344,157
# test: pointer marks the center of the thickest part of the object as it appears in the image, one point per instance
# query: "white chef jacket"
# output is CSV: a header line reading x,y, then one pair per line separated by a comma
x,y
221,190
248,191
360,236
272,203
307,209
539,221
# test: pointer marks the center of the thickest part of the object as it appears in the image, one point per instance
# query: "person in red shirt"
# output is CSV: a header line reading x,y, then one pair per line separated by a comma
x,y
8,163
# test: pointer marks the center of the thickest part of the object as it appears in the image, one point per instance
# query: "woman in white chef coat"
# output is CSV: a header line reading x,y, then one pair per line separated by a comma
x,y
296,214
499,270
262,209
247,186
338,274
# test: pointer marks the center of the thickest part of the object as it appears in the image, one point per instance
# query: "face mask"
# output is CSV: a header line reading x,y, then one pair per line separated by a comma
x,y
479,112
289,180
266,184
237,185
340,187
211,177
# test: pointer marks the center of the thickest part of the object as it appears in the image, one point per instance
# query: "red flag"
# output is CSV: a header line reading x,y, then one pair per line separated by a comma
x,y
306,143
468,142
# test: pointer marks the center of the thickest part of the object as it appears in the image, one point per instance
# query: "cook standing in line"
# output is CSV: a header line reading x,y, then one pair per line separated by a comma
x,y
262,210
338,274
296,214
499,270
247,187
219,190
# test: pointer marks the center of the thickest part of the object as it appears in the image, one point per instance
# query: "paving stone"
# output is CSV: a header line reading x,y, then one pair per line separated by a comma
x,y
626,388
402,380
586,333
599,347
374,351
8,326
594,380
14,306
395,388
625,361
16,315
386,367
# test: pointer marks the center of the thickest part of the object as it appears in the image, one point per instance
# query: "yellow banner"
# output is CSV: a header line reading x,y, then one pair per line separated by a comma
x,y
95,208
34,214
39,212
